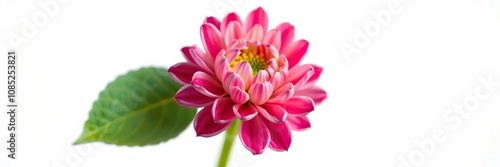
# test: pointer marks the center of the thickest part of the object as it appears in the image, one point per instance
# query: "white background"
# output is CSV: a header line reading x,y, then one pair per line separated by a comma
x,y
395,91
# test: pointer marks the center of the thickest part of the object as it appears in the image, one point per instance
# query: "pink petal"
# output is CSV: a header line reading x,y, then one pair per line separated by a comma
x,y
232,54
271,51
254,135
256,17
239,44
276,80
204,124
273,37
270,71
189,97
281,136
272,112
232,79
222,66
287,34
283,71
201,59
255,34
212,39
233,32
282,94
299,75
245,111
283,61
273,63
315,92
245,71
297,122
295,51
314,78
212,20
187,54
261,76
183,72
260,92
231,17
300,105
238,95
207,85
222,110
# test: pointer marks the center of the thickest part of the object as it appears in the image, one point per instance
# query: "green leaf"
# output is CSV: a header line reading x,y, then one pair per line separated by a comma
x,y
137,109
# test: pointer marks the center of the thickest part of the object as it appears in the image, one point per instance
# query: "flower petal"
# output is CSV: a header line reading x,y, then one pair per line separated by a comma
x,y
201,59
270,71
222,66
238,95
230,18
281,136
183,72
295,51
207,85
187,54
299,75
283,71
276,80
273,112
245,111
232,53
232,79
245,71
261,76
255,34
282,94
222,110
239,44
283,62
317,72
316,93
256,17
212,20
314,78
254,135
273,37
189,97
287,34
260,92
273,63
212,39
233,32
298,122
204,124
300,105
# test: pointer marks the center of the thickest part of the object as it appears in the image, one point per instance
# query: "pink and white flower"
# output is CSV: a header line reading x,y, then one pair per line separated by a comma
x,y
245,71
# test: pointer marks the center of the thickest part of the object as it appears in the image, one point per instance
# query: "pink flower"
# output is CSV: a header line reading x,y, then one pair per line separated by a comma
x,y
250,73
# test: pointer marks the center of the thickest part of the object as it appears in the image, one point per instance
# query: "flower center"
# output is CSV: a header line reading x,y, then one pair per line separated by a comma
x,y
256,61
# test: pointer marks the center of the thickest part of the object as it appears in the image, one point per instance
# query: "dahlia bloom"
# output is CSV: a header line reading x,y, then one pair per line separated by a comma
x,y
245,71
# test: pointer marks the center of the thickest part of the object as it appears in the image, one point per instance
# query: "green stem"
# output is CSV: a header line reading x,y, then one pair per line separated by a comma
x,y
231,133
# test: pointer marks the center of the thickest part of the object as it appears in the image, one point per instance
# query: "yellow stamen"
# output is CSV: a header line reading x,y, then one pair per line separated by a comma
x,y
256,61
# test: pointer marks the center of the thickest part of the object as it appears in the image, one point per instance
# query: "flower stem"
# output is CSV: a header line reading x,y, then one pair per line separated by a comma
x,y
231,133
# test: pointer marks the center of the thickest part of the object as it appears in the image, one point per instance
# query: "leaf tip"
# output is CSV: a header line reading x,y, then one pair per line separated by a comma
x,y
79,141
82,140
